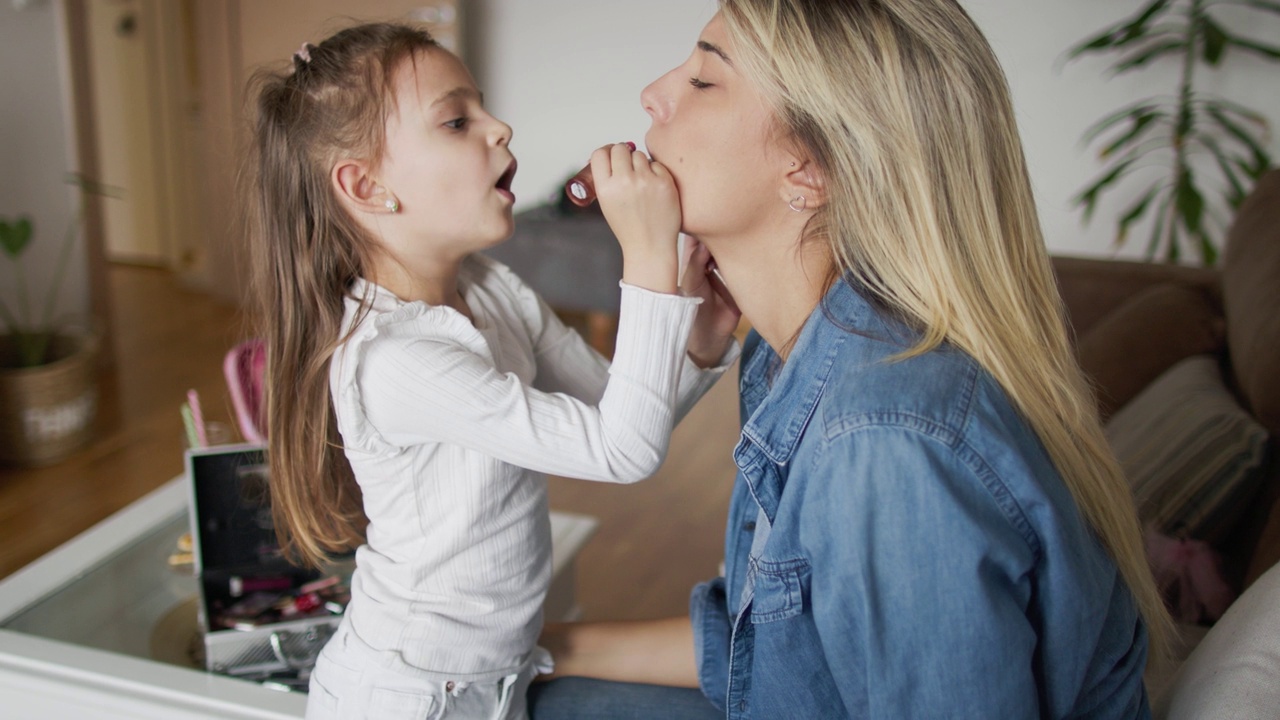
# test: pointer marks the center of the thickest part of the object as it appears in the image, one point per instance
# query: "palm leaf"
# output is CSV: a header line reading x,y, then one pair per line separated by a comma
x,y
1121,34
1148,54
1237,194
1089,196
1266,5
1145,106
1162,218
1140,124
1215,41
1253,46
1261,159
1135,212
1189,201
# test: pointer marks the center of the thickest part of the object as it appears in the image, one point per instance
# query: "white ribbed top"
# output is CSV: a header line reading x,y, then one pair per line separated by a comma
x,y
449,428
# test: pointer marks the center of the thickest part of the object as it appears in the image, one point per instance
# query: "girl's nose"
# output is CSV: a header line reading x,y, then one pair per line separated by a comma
x,y
657,99
502,133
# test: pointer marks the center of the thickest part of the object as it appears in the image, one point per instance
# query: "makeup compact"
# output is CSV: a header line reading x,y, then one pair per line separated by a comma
x,y
262,617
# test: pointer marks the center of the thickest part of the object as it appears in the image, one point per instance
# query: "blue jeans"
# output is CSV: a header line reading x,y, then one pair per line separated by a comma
x,y
572,698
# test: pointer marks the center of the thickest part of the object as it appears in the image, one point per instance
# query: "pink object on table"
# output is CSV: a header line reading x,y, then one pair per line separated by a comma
x,y
245,368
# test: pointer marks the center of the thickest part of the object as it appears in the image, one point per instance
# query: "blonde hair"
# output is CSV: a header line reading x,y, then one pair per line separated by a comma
x,y
905,109
307,251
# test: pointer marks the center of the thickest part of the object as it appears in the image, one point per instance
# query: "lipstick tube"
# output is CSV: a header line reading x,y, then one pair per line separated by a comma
x,y
581,188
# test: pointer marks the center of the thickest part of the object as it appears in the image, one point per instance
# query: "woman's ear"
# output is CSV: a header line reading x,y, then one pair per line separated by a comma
x,y
803,185
356,186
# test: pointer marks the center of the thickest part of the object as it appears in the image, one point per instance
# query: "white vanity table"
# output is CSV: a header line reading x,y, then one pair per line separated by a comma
x,y
102,627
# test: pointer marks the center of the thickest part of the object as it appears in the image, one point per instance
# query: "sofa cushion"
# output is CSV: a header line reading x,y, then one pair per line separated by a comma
x,y
1146,335
1192,455
1232,672
1251,297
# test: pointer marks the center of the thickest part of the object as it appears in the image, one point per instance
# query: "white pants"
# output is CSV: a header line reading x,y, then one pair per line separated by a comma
x,y
349,683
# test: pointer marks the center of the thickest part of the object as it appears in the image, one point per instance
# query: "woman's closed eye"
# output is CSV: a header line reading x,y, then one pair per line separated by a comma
x,y
699,84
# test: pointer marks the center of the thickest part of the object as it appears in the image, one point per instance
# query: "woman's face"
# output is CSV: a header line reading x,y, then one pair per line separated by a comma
x,y
714,132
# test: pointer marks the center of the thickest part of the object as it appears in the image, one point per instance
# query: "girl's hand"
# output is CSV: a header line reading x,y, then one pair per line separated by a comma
x,y
639,199
718,315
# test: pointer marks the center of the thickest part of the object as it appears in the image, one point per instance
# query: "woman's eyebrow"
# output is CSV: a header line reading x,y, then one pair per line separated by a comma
x,y
708,47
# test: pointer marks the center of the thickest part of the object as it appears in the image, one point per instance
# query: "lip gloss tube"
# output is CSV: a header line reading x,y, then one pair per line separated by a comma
x,y
581,188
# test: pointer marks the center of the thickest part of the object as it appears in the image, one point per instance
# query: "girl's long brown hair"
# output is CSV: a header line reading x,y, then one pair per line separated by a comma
x,y
306,251
905,108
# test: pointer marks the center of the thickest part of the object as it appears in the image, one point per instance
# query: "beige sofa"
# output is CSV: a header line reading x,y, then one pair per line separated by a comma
x,y
1186,362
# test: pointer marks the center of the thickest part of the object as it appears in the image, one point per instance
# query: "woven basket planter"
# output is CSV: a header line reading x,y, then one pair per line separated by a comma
x,y
47,411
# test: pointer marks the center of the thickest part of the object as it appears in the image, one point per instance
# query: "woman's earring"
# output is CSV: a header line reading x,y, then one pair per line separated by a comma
x,y
393,205
804,204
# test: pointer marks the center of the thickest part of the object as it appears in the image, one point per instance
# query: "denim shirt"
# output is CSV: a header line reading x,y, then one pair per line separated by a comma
x,y
899,545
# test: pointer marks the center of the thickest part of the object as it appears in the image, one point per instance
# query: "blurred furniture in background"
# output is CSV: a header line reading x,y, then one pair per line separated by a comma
x,y
573,260
1186,362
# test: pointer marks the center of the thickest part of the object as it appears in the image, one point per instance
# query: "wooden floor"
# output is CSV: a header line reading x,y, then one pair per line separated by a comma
x,y
656,539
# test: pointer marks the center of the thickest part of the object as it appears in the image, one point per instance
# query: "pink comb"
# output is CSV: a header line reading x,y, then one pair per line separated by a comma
x,y
245,369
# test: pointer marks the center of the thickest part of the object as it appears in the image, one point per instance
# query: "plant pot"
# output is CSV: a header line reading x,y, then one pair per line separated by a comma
x,y
47,411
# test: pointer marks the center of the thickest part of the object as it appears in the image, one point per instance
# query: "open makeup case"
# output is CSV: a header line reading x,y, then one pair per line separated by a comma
x,y
262,617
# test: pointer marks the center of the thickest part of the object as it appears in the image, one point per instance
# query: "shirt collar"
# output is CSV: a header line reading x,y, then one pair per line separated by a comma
x,y
778,412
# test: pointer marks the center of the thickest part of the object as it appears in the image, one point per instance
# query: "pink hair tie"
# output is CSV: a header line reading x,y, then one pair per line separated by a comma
x,y
304,53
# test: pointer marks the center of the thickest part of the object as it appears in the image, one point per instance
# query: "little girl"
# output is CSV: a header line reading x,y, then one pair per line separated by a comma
x,y
417,390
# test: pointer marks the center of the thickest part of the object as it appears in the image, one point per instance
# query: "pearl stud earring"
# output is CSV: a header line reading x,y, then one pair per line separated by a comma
x,y
393,205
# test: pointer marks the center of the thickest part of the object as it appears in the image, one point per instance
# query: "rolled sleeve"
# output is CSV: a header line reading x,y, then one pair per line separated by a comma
x,y
712,629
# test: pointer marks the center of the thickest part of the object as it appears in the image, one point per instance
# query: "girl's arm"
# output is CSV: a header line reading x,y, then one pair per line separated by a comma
x,y
566,363
658,652
418,382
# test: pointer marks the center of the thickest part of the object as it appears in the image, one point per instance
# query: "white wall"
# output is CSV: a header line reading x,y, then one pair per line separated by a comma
x,y
1056,102
567,75
34,155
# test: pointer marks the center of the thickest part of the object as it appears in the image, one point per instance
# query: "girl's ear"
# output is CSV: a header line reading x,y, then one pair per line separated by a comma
x,y
803,185
357,187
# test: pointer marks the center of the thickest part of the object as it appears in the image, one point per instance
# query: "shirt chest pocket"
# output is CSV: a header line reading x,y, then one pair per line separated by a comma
x,y
778,589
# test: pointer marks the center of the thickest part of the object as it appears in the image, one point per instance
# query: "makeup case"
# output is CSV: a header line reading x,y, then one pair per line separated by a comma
x,y
262,618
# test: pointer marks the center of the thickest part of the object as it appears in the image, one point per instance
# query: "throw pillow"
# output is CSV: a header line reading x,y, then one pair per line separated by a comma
x,y
1232,672
1190,452
1251,294
1129,347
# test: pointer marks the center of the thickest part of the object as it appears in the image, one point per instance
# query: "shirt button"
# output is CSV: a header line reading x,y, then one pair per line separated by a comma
x,y
749,526
448,687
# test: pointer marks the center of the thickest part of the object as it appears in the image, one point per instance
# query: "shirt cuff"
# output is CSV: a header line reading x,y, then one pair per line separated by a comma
x,y
708,611
653,335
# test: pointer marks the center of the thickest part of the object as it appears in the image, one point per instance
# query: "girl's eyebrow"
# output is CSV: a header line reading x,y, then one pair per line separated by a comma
x,y
708,47
460,93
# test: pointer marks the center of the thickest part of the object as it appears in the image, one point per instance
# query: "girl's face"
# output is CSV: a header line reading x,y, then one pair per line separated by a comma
x,y
713,131
446,161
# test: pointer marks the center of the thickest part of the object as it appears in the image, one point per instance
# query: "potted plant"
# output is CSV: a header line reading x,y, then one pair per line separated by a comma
x,y
1190,135
48,388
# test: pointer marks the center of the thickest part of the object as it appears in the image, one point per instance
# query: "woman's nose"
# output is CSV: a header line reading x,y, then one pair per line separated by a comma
x,y
656,99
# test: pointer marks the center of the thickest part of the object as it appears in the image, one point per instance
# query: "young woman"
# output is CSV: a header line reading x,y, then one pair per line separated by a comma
x,y
417,391
927,521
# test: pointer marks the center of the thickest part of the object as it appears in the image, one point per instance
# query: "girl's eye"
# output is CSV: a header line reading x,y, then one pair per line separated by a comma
x,y
456,124
698,83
